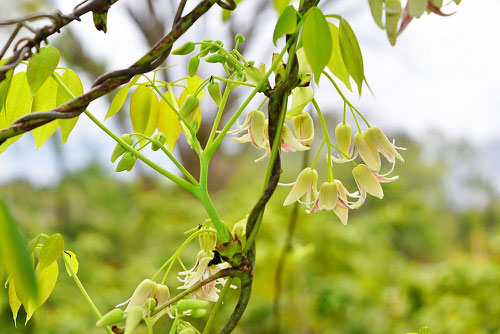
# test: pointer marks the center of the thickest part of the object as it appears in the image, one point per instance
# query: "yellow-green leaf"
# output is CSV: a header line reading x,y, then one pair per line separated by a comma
x,y
317,41
351,53
46,280
17,104
168,123
72,81
153,115
140,108
4,85
14,301
15,254
120,97
376,9
336,62
73,261
301,97
287,22
45,100
51,251
417,7
41,66
280,5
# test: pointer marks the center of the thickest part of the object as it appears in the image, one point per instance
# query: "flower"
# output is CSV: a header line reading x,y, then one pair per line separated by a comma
x,y
369,182
383,144
304,185
289,143
366,147
255,123
304,128
147,289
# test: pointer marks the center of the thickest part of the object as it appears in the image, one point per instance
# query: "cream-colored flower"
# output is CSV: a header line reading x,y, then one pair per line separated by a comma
x,y
304,185
369,182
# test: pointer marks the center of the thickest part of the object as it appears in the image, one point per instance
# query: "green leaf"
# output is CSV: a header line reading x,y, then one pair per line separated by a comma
x,y
336,62
351,53
46,280
286,25
17,104
72,81
44,100
153,115
140,108
280,5
4,85
417,7
376,9
317,41
14,301
169,123
15,254
41,66
73,261
425,330
51,251
301,97
120,97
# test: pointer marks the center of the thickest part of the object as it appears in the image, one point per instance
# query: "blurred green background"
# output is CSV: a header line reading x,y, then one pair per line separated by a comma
x,y
418,257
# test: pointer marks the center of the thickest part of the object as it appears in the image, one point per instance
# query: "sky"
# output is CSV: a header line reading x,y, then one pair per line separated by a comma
x,y
441,76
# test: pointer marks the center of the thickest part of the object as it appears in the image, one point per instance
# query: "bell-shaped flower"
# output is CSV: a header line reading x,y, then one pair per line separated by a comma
x,y
343,137
288,141
369,182
366,147
384,146
147,289
304,128
304,185
255,123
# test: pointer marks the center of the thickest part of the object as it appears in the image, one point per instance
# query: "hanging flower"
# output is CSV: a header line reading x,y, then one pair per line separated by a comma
x,y
366,147
369,182
147,289
304,128
304,185
255,123
384,146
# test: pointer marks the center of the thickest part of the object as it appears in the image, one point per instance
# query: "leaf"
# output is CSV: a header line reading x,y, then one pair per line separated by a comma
x,y
417,7
140,108
226,14
46,280
280,5
44,100
376,9
17,104
317,41
153,115
41,66
301,97
51,251
351,53
286,25
73,261
168,123
120,97
14,253
72,81
14,301
425,330
4,85
336,62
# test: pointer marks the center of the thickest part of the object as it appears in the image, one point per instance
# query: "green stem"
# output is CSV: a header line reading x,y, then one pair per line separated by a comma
x,y
327,138
221,229
218,117
241,83
317,154
83,291
215,309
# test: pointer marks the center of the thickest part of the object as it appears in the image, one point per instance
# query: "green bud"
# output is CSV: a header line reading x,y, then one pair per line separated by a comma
x,y
134,318
214,91
119,149
184,49
188,108
239,38
193,64
161,137
343,136
198,313
190,304
150,304
111,318
205,47
215,48
127,162
217,58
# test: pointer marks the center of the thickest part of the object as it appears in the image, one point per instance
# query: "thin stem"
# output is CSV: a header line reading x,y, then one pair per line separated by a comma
x,y
236,52
218,304
355,119
343,117
218,117
83,291
221,229
317,154
242,83
327,138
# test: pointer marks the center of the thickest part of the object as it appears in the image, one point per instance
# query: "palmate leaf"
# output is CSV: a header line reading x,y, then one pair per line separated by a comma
x,y
287,22
45,100
41,66
351,53
72,81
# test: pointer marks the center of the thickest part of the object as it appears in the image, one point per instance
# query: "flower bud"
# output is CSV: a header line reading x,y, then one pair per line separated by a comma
x,y
161,294
367,149
193,64
208,241
306,183
161,137
214,91
205,47
343,136
239,38
188,108
143,291
253,74
392,15
239,229
198,313
150,305
119,149
112,317
134,318
191,304
127,162
184,49
217,58
367,181
304,128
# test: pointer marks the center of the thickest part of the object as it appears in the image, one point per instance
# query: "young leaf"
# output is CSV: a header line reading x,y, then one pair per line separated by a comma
x,y
280,5
301,97
72,81
417,7
4,85
336,62
51,251
14,301
17,104
46,280
287,22
351,53
41,66
317,41
120,97
140,108
168,123
73,261
15,254
425,330
153,115
376,9
44,100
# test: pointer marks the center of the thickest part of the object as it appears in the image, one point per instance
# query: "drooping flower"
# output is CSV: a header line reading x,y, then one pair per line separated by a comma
x,y
369,181
304,185
366,147
288,141
147,289
255,123
304,128
383,144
